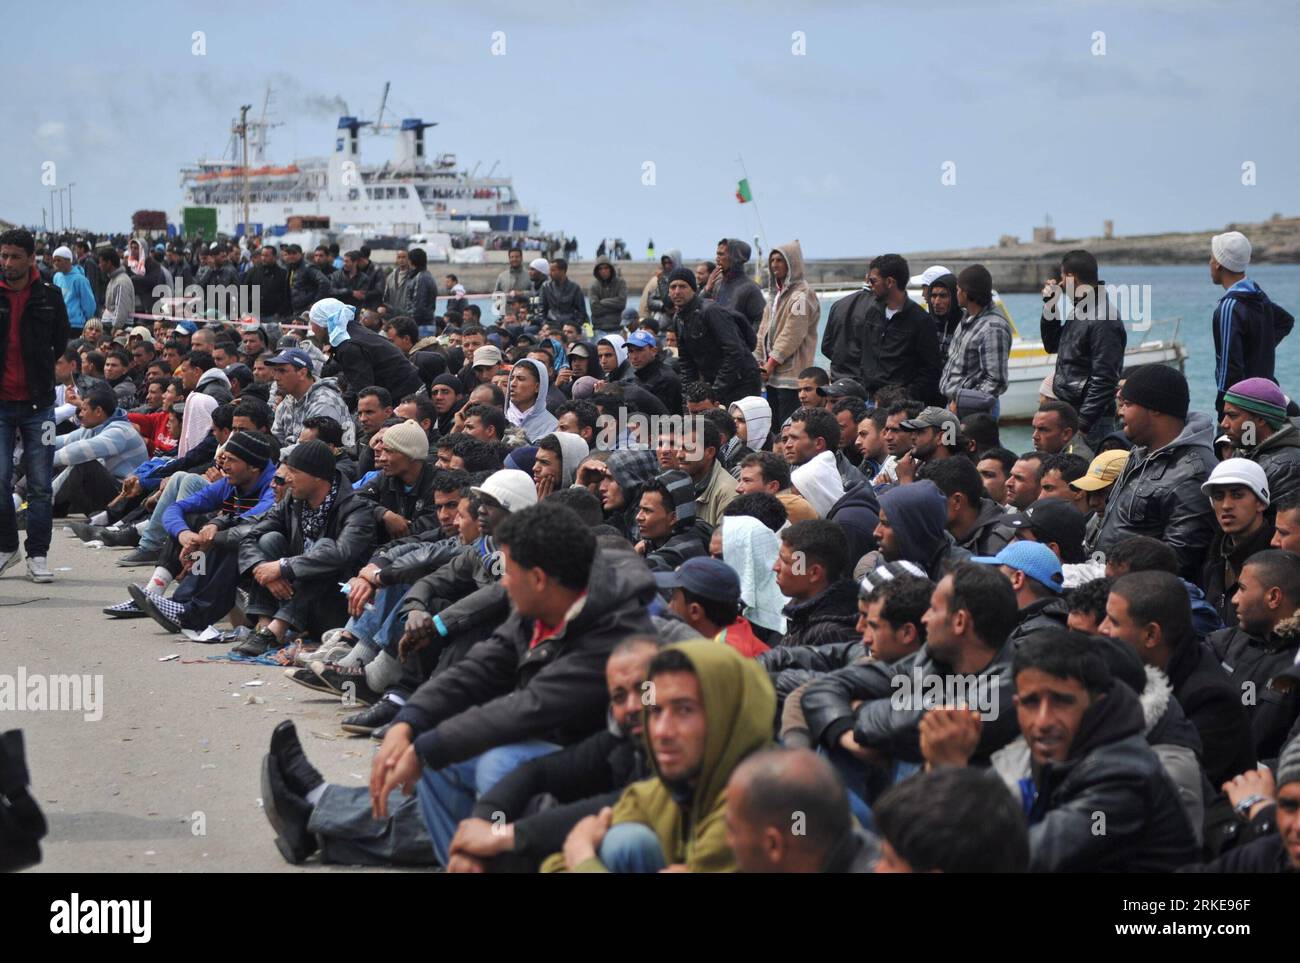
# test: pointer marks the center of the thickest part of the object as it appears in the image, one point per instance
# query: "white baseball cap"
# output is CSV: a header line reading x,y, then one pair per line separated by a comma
x,y
928,276
1239,471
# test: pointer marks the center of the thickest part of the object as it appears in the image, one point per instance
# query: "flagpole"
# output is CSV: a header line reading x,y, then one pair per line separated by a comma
x,y
761,230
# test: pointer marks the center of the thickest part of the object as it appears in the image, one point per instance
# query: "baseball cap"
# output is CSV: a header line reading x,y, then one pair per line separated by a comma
x,y
1103,471
1239,471
294,356
488,355
709,578
186,327
511,488
1033,558
140,331
931,417
580,351
1054,520
842,388
927,276
641,339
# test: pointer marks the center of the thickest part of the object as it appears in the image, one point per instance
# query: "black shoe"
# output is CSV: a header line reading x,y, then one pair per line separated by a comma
x,y
308,678
126,537
141,556
287,812
299,774
347,681
378,734
86,531
163,611
380,714
258,643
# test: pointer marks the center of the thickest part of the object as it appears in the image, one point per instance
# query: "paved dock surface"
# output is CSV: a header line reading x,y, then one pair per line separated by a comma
x,y
168,779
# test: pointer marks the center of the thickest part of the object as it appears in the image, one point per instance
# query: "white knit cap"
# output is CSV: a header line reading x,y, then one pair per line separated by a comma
x,y
512,488
63,251
539,264
1231,250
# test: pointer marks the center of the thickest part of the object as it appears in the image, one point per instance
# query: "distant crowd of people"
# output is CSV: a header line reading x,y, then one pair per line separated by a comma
x,y
638,587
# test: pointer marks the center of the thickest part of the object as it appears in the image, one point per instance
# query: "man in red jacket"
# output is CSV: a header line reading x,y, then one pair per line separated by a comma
x,y
33,332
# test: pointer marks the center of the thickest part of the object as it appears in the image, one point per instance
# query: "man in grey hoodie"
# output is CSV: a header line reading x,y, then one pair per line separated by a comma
x,y
731,287
608,296
1159,491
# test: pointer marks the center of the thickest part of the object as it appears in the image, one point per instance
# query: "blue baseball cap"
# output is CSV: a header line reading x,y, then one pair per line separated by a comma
x,y
709,578
294,356
641,339
186,327
1033,558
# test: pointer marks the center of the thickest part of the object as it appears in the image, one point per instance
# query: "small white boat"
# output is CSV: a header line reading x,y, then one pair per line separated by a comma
x,y
1029,364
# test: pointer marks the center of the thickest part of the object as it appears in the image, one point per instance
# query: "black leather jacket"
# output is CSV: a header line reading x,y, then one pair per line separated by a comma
x,y
1159,494
1112,771
1089,353
345,543
878,724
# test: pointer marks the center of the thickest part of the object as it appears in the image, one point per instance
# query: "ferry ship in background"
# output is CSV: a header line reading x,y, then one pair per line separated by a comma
x,y
414,194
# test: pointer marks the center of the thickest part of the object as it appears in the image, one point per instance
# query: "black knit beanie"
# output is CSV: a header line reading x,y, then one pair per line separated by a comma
x,y
684,274
313,457
1160,388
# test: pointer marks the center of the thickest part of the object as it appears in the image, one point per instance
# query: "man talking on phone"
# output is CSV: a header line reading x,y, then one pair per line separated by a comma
x,y
1082,327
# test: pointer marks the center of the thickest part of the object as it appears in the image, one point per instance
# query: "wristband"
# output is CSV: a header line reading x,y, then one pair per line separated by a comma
x,y
437,624
1243,808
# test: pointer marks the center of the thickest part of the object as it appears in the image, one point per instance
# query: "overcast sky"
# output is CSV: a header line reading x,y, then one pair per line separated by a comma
x,y
845,142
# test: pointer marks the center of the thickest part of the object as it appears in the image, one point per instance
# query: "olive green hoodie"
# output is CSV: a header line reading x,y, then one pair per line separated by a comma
x,y
739,708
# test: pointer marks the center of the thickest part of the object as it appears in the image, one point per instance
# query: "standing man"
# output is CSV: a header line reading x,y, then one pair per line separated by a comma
x,y
731,287
562,299
608,296
1088,338
514,279
899,343
395,285
33,332
1248,327
268,284
981,343
78,298
710,344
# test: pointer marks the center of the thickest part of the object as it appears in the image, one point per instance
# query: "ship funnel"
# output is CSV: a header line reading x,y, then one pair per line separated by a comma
x,y
409,151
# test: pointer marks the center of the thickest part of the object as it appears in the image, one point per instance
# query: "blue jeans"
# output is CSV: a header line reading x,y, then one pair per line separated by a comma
x,y
33,425
181,485
632,848
375,626
448,795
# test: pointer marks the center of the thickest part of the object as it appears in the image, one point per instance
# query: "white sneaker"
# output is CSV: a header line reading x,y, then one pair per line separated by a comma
x,y
38,570
8,560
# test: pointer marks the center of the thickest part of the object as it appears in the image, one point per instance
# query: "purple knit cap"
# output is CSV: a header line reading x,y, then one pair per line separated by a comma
x,y
1260,389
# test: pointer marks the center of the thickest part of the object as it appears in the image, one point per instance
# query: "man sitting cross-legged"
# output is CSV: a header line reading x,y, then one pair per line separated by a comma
x,y
205,530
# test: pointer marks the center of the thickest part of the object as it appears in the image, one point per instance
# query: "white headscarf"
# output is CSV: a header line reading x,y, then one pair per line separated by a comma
x,y
750,547
819,482
332,315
